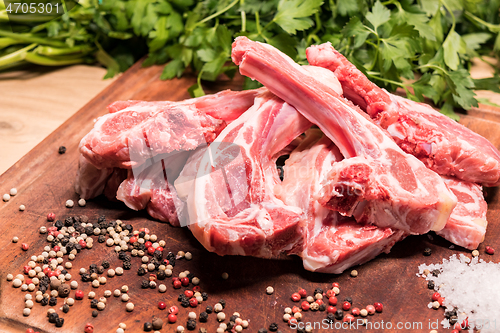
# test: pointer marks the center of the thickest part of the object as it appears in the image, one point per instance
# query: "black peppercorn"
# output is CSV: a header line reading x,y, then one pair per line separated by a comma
x,y
262,330
204,295
182,297
100,269
203,317
95,313
348,299
190,276
339,314
145,284
105,264
191,324
301,330
101,239
92,268
223,303
121,255
161,275
101,218
209,309
322,307
141,271
148,327
430,284
59,322
233,318
53,301
318,291
127,265
330,318
78,248
65,308
86,277
44,301
61,150
53,317
58,224
112,224
435,272
45,261
427,251
93,303
142,234
158,254
42,288
128,227
64,272
273,327
184,303
453,320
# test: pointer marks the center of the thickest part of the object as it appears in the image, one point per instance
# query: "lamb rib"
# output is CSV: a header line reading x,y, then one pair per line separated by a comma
x,y
444,145
137,131
466,226
331,242
228,186
377,182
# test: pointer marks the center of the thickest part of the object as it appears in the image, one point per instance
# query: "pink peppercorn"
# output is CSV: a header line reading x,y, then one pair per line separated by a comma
x,y
51,217
292,321
295,297
151,250
348,318
332,300
30,330
319,301
79,294
177,284
82,243
490,250
159,248
188,293
132,240
455,331
56,248
196,289
330,293
441,300
371,309
346,306
295,309
303,293
355,311
148,244
173,309
305,305
193,302
379,307
335,284
435,296
162,305
172,318
185,281
331,309
26,269
25,246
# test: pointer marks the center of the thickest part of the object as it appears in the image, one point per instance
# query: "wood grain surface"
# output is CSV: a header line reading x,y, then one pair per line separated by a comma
x,y
36,100
44,180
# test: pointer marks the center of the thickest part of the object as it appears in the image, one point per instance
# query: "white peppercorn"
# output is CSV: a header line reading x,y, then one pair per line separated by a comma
x,y
26,312
130,306
188,256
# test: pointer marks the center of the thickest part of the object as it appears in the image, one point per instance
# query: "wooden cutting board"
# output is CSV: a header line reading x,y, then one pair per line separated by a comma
x,y
45,180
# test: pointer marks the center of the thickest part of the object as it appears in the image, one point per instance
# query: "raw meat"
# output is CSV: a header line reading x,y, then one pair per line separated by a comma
x,y
377,182
441,143
330,242
90,181
466,226
229,186
137,131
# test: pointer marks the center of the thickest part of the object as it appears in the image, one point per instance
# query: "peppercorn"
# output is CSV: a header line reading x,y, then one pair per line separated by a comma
x,y
44,301
339,314
346,306
141,271
193,302
148,327
127,265
53,301
185,303
322,307
59,322
53,317
262,330
430,284
95,313
330,318
157,323
101,239
209,309
453,320
204,295
64,290
427,251
145,284
223,303
61,150
379,306
273,327
296,297
203,317
436,272
191,325
489,250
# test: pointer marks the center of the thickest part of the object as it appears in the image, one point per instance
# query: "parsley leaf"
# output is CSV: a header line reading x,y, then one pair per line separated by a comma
x,y
293,15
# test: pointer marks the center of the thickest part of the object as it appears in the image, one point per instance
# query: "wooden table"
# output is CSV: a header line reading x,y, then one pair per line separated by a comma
x,y
45,180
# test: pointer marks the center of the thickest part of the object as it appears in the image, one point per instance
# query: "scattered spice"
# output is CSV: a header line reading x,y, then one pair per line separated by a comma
x,y
354,273
82,202
269,290
70,203
61,150
130,307
6,197
22,208
489,250
225,276
475,253
427,251
25,246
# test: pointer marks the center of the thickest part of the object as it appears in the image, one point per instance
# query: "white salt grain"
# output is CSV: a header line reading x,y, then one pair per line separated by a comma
x,y
458,283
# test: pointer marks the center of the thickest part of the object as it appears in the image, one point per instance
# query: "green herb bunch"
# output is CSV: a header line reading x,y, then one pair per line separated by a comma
x,y
424,47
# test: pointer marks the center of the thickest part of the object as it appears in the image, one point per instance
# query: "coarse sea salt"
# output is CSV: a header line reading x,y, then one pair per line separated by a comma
x,y
472,286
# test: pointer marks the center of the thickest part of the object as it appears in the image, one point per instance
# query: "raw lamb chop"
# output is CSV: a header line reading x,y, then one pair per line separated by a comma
x,y
442,144
229,186
137,131
466,226
377,182
330,242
